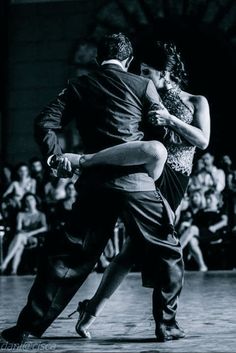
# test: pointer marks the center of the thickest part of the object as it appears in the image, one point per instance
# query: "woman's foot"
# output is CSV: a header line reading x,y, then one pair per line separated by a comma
x,y
203,268
85,320
3,268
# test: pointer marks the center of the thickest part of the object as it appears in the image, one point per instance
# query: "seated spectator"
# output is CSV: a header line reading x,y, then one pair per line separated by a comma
x,y
232,199
54,191
212,176
64,206
5,178
206,175
24,183
194,203
9,209
206,227
30,224
196,180
38,172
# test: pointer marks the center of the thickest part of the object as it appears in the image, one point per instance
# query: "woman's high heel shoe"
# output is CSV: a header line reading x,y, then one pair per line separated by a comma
x,y
85,320
80,308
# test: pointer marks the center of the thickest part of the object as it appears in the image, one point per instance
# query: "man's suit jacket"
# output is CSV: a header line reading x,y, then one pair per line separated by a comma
x,y
109,106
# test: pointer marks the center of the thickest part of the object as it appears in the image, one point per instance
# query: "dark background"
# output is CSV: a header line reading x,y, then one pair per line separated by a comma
x,y
46,42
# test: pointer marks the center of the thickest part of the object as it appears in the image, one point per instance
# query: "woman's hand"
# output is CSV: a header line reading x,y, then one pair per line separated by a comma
x,y
22,237
160,117
212,229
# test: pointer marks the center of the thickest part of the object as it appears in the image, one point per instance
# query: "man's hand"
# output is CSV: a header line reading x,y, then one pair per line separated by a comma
x,y
62,165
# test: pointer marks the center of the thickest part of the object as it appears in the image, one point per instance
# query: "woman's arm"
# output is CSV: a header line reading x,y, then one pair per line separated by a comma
x,y
42,229
9,190
36,231
33,185
19,222
219,225
198,134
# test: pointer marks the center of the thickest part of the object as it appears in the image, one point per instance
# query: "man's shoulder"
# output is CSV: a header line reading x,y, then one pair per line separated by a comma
x,y
136,78
136,82
76,80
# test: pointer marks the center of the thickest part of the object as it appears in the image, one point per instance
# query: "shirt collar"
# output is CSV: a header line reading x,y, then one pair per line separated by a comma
x,y
113,61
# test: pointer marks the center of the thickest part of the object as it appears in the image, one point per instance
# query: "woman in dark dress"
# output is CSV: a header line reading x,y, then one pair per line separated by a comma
x,y
208,225
185,120
30,224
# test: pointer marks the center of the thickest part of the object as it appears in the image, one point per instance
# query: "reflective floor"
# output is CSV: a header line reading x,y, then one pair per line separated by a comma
x,y
207,312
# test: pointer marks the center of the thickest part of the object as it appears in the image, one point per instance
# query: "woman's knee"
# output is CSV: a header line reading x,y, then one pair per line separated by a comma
x,y
155,150
194,243
194,230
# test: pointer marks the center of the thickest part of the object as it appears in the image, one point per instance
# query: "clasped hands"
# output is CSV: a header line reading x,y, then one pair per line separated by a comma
x,y
61,166
159,116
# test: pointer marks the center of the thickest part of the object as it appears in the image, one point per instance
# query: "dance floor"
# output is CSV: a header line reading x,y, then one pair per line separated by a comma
x,y
207,312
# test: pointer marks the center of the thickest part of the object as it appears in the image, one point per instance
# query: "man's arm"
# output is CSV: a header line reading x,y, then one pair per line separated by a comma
x,y
151,98
52,119
152,102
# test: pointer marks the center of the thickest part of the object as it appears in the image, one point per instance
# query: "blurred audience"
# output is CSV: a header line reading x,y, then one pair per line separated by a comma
x,y
63,207
5,177
40,174
207,226
206,215
22,184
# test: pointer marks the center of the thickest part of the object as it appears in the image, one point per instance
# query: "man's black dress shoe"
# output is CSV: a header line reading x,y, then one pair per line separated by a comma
x,y
14,335
168,332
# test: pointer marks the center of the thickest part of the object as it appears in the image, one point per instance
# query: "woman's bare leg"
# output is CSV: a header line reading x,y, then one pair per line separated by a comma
x,y
151,154
13,247
17,259
188,234
112,278
197,254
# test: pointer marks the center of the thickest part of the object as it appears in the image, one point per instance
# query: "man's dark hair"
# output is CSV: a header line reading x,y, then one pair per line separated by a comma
x,y
114,46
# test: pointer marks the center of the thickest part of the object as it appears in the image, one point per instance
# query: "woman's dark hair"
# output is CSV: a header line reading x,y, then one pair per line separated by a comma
x,y
114,46
23,201
164,56
18,166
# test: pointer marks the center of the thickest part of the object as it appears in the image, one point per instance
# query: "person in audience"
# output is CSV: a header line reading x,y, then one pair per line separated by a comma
x,y
228,197
211,176
195,202
5,177
207,226
54,191
232,198
38,172
24,183
31,222
196,180
63,206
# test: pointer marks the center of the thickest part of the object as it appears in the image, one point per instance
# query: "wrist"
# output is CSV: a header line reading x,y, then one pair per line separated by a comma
x,y
171,120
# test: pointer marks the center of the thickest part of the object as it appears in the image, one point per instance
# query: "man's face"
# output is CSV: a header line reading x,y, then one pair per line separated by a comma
x,y
36,166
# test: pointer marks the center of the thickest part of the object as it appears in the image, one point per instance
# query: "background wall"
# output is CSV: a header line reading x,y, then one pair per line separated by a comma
x,y
42,53
42,38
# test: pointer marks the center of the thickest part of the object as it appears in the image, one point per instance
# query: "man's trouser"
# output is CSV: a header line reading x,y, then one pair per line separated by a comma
x,y
69,257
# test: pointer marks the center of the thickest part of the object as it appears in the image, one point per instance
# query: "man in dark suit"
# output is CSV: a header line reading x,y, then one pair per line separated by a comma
x,y
108,104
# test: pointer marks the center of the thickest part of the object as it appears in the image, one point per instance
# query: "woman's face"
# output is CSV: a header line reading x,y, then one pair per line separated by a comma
x,y
70,190
196,199
152,74
30,202
23,171
212,201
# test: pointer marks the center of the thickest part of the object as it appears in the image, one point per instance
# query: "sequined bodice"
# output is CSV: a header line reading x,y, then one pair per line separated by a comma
x,y
181,153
